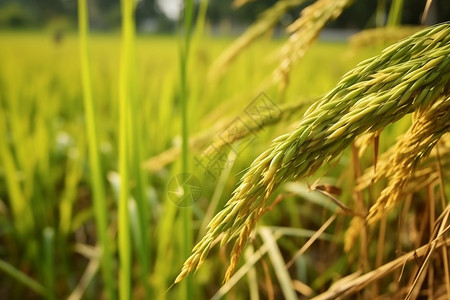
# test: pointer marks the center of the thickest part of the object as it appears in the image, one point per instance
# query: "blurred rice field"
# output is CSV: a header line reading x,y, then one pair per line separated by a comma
x,y
48,241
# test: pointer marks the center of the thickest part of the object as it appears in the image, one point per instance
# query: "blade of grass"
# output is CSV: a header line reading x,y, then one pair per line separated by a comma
x,y
139,238
124,242
48,261
256,256
395,13
186,224
23,218
308,244
242,271
200,21
380,15
23,278
278,264
72,179
135,125
251,276
22,214
100,207
164,256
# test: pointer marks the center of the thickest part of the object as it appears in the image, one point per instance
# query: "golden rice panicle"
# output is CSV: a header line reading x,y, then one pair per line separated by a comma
x,y
383,170
363,141
428,173
384,167
353,231
425,174
405,77
304,31
267,20
413,147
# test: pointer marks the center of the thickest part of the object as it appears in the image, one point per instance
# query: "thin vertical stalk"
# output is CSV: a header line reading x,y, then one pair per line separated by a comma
x,y
186,212
135,157
140,230
100,207
124,245
380,18
48,241
23,278
395,13
23,217
200,20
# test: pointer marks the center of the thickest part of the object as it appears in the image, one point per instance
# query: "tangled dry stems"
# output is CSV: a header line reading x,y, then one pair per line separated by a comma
x,y
413,147
406,77
427,169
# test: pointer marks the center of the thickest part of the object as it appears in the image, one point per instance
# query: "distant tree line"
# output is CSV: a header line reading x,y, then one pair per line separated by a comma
x,y
105,14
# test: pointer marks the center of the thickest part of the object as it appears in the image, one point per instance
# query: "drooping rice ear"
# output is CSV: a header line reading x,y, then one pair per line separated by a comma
x,y
413,77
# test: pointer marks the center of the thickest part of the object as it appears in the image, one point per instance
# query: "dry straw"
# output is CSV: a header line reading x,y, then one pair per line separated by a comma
x,y
420,178
428,173
428,127
400,162
404,78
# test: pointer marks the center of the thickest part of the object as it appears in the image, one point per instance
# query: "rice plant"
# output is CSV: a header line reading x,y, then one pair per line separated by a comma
x,y
408,76
342,191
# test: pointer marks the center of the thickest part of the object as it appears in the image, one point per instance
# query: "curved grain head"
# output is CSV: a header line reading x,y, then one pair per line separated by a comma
x,y
404,78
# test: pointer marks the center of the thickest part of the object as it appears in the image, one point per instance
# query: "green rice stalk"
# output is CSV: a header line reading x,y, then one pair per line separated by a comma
x,y
20,202
405,77
124,239
48,270
135,121
186,214
20,207
73,176
380,18
395,13
100,207
200,21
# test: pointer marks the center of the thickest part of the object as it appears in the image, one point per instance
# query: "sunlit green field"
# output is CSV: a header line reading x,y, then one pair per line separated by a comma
x,y
48,239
